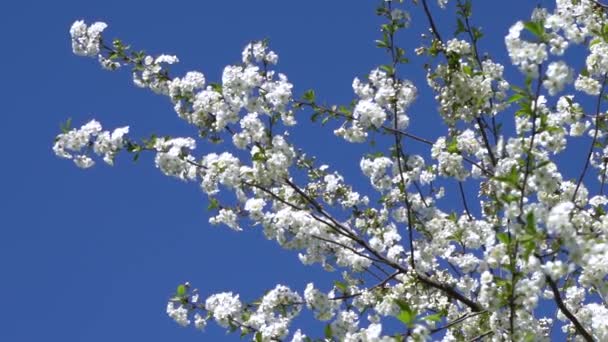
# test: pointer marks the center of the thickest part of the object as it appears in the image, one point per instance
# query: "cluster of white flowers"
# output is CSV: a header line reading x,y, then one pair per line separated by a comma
x,y
253,131
274,314
76,144
464,93
587,85
86,40
153,74
558,221
257,52
108,144
526,55
558,75
178,313
380,99
227,217
321,303
225,308
278,93
173,157
376,169
181,90
219,169
369,113
461,47
449,164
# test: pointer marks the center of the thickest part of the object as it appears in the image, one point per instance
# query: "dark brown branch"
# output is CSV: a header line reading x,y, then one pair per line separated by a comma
x,y
429,16
564,309
398,149
450,292
464,201
486,141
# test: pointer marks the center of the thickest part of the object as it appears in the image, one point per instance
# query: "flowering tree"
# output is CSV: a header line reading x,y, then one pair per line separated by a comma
x,y
537,237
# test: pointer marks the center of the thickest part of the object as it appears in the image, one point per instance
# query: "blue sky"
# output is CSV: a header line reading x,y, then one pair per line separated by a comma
x,y
93,255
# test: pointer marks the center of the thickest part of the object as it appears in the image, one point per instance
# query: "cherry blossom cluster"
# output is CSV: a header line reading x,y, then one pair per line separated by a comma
x,y
380,99
77,144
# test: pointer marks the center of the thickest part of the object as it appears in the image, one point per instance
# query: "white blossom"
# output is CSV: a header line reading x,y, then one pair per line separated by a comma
x,y
86,40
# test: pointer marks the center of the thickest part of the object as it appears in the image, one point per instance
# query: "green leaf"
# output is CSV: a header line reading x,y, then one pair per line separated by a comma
x,y
526,238
389,69
400,52
477,34
460,27
434,317
453,146
593,42
213,203
181,290
381,11
530,224
344,110
453,217
407,315
309,95
258,337
512,178
65,127
388,28
150,142
259,157
519,90
216,86
341,286
381,44
328,333
504,238
542,164
515,98
529,247
508,198
536,28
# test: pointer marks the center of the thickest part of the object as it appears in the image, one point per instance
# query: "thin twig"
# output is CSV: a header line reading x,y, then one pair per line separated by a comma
x,y
595,135
458,320
464,201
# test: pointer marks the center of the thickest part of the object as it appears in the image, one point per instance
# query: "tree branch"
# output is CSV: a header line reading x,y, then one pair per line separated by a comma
x,y
564,309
